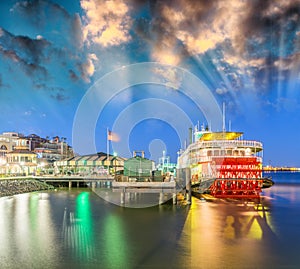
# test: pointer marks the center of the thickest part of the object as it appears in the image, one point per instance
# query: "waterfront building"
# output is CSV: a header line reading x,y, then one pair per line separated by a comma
x,y
31,154
138,168
98,164
8,140
20,161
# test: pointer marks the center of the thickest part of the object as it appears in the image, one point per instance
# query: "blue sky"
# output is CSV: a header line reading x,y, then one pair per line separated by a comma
x,y
243,53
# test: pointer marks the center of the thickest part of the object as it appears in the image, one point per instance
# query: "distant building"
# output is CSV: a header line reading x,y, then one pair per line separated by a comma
x,y
35,141
53,150
165,166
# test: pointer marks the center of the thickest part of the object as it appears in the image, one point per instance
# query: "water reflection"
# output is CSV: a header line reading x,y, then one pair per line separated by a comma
x,y
27,234
77,229
228,234
115,242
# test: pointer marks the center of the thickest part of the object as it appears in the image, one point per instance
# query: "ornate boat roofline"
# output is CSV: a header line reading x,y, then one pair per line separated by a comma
x,y
211,136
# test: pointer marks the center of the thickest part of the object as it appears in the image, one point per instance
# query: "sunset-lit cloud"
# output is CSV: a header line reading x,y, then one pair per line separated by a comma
x,y
107,22
87,68
170,76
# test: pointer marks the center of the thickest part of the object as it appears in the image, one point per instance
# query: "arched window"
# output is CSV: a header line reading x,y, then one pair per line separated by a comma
x,y
3,147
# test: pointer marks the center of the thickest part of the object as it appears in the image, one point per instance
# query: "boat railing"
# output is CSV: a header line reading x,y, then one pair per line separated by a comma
x,y
227,144
209,159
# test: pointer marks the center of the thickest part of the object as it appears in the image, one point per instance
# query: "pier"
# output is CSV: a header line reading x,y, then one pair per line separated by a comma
x,y
93,179
146,187
168,188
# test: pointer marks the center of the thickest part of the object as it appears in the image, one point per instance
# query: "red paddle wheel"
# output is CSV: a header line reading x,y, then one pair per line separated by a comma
x,y
237,177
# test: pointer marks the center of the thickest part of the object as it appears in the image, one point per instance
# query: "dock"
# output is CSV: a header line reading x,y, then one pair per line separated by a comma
x,y
145,187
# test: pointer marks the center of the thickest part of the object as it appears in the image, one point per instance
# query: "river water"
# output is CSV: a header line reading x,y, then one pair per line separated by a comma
x,y
78,229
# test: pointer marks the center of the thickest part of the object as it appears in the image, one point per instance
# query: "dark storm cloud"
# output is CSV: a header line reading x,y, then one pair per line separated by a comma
x,y
23,48
51,20
51,42
270,33
32,69
57,93
39,10
268,24
73,75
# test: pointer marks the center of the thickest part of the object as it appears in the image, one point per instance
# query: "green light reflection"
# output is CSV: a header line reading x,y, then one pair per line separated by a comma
x,y
84,227
115,242
82,235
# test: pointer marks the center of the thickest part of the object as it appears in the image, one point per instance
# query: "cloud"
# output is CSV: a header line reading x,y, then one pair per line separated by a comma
x,y
20,50
288,63
221,91
57,93
48,20
248,38
171,77
107,22
50,42
87,68
284,104
59,97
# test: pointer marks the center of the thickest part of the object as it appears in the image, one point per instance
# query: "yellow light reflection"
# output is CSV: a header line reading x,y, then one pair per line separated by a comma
x,y
214,230
255,231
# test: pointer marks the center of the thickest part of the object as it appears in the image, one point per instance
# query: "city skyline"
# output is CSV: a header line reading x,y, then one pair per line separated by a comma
x,y
57,57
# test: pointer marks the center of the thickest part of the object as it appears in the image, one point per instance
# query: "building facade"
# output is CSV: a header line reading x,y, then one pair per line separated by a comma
x,y
24,155
93,164
21,161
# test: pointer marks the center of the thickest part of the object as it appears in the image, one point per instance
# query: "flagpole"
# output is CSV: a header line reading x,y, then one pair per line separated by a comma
x,y
107,150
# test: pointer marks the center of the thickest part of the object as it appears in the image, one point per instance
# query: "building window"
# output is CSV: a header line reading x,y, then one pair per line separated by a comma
x,y
3,147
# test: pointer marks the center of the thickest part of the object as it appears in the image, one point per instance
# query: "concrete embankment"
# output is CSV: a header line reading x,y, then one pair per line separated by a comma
x,y
10,187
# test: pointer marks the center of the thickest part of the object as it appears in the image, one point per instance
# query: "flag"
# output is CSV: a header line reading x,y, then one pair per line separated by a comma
x,y
111,136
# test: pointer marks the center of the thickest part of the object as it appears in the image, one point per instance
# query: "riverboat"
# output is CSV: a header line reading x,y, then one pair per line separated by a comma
x,y
223,164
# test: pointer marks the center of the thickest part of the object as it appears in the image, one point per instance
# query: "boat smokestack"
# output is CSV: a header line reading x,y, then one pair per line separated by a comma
x,y
224,127
190,135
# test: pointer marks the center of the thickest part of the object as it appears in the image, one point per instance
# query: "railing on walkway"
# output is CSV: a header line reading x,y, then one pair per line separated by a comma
x,y
64,178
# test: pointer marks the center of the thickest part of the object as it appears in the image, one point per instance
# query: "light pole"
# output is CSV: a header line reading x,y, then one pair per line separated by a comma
x,y
115,155
22,168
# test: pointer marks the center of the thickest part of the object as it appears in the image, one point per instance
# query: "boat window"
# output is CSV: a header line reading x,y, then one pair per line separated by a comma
x,y
229,152
217,153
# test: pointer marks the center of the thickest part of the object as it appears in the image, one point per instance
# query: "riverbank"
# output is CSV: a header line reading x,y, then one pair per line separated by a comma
x,y
12,187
